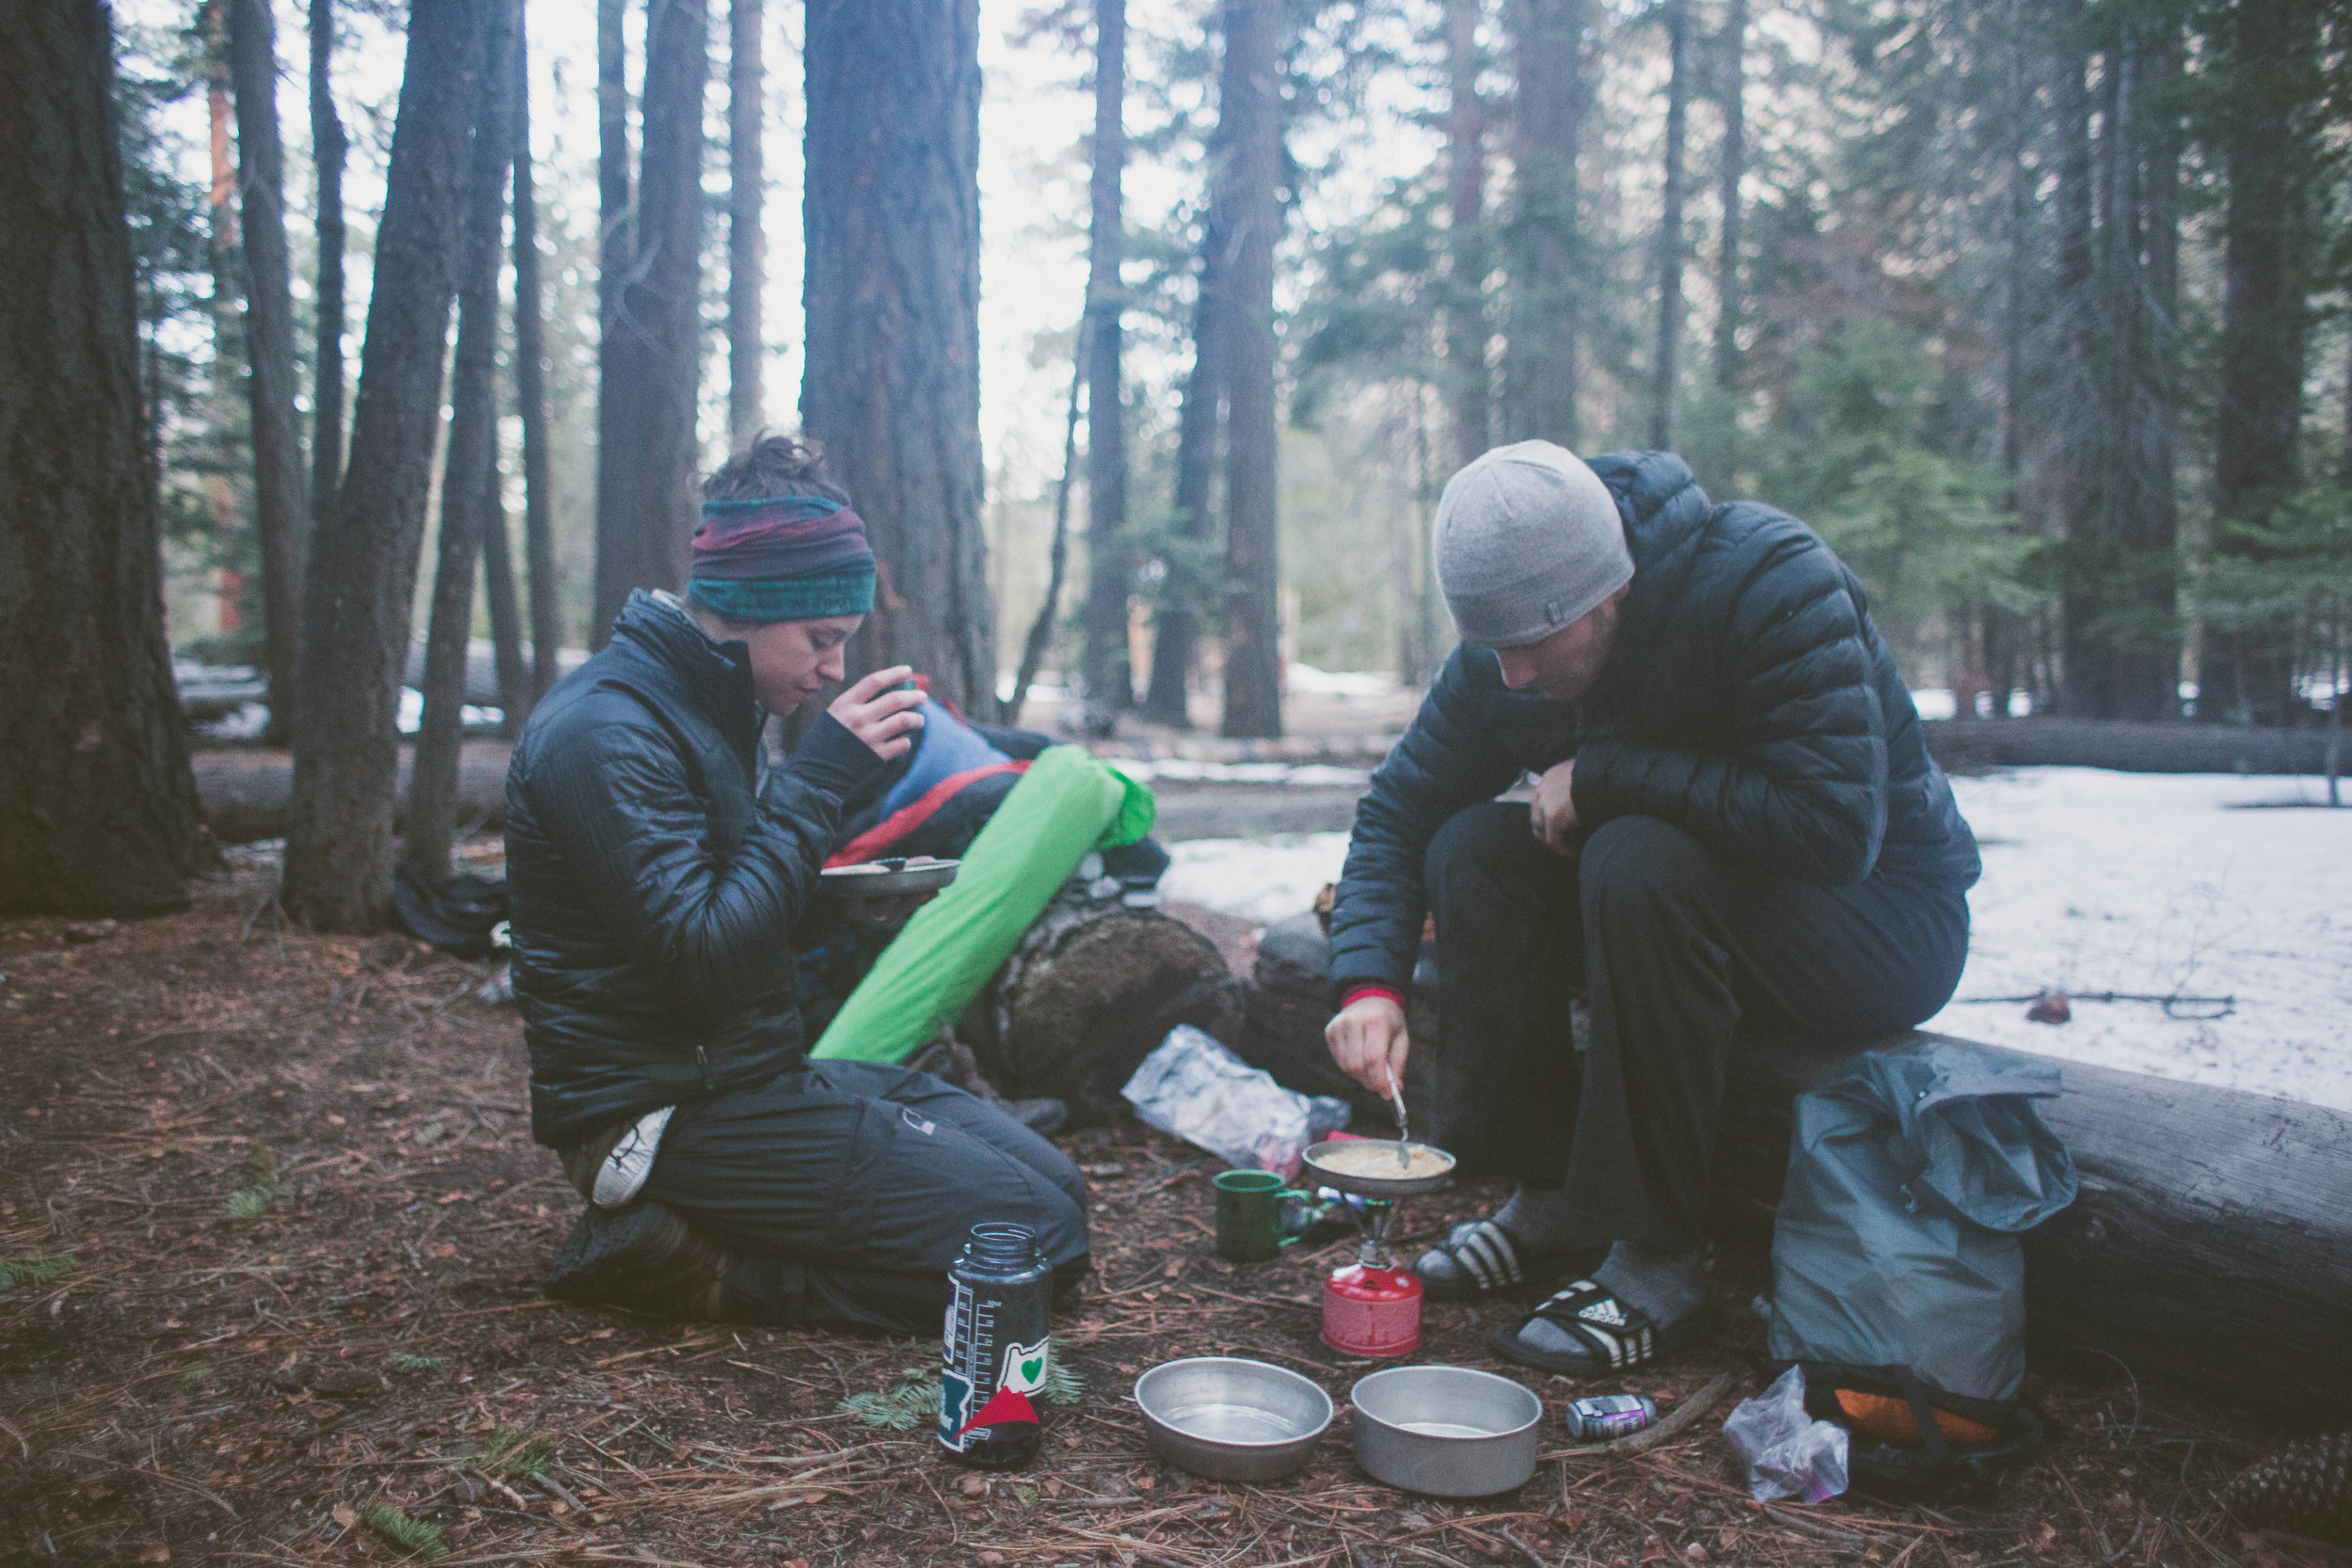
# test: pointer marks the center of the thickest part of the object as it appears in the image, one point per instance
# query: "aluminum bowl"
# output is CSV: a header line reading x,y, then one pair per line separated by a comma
x,y
1232,1419
1449,1432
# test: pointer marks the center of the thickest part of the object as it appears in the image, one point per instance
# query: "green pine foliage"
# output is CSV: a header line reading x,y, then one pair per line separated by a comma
x,y
396,1526
33,1269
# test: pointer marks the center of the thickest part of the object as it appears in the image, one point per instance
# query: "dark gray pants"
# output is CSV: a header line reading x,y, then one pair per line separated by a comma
x,y
1672,947
850,1187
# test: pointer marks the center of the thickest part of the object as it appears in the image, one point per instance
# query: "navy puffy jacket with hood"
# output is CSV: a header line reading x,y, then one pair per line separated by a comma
x,y
1749,701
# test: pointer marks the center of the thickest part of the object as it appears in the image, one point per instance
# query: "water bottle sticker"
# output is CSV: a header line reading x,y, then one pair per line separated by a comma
x,y
955,1410
1025,1366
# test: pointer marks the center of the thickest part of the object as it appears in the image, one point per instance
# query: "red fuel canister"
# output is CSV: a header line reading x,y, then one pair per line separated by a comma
x,y
1373,1311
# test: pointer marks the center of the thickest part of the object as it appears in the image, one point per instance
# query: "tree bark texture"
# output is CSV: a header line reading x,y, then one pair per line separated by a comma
x,y
891,387
328,148
1176,621
2267,69
363,570
98,810
1541,368
747,248
1467,377
616,258
651,362
470,470
498,591
1666,364
1731,93
269,336
1107,677
1250,109
531,395
1090,993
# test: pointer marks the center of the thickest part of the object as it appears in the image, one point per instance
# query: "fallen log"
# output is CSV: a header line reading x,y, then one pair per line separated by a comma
x,y
1092,988
2211,1244
241,793
2129,746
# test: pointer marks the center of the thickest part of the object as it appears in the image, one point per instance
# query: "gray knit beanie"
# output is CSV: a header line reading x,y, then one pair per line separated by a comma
x,y
1527,540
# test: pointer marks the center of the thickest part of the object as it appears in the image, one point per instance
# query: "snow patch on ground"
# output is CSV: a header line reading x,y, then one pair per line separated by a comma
x,y
2188,884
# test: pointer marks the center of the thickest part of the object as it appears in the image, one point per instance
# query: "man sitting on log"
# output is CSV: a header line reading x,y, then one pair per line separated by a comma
x,y
1734,818
658,867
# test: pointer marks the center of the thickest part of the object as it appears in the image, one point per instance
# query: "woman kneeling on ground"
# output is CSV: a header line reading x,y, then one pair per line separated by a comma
x,y
656,866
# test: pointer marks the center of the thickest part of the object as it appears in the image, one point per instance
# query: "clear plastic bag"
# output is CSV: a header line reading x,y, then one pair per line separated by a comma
x,y
1789,1453
1194,1087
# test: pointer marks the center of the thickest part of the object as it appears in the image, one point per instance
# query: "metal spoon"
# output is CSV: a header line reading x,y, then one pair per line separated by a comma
x,y
1404,1128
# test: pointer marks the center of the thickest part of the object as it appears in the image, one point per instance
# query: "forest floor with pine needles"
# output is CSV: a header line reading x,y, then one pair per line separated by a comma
x,y
270,1224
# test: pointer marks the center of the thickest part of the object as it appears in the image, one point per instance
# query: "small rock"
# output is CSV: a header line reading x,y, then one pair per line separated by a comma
x,y
973,1486
2049,1007
990,1560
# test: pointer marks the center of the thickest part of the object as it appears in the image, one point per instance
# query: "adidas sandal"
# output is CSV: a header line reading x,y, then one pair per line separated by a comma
x,y
1478,1258
1611,1334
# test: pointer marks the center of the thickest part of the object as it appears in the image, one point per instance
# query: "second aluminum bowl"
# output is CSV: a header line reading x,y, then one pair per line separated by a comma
x,y
1449,1432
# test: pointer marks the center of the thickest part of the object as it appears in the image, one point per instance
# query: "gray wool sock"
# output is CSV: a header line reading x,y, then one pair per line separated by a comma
x,y
1542,1218
1668,1285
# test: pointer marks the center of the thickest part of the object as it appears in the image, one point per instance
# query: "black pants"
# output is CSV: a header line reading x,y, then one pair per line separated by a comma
x,y
1671,945
850,1187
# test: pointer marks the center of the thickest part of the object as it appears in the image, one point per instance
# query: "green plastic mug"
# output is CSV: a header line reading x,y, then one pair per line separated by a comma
x,y
1249,1215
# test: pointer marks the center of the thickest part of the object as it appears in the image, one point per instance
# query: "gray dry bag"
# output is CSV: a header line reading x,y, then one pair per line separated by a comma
x,y
1911,1176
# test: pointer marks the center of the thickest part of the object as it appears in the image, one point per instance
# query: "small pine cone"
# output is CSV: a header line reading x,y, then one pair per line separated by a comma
x,y
2305,1488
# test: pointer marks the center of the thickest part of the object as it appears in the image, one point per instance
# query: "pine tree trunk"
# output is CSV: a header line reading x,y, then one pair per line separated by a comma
x,y
1107,679
619,397
1249,107
1176,621
1466,213
497,588
1666,366
269,335
1041,636
98,811
327,148
1732,93
746,245
2075,425
230,424
1541,368
2264,157
892,382
470,467
2002,631
362,571
2148,664
531,393
653,359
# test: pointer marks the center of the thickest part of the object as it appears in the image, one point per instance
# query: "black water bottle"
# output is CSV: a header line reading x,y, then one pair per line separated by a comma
x,y
1000,1295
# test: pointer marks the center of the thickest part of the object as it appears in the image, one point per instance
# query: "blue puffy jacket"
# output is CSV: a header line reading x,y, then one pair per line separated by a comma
x,y
1749,701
